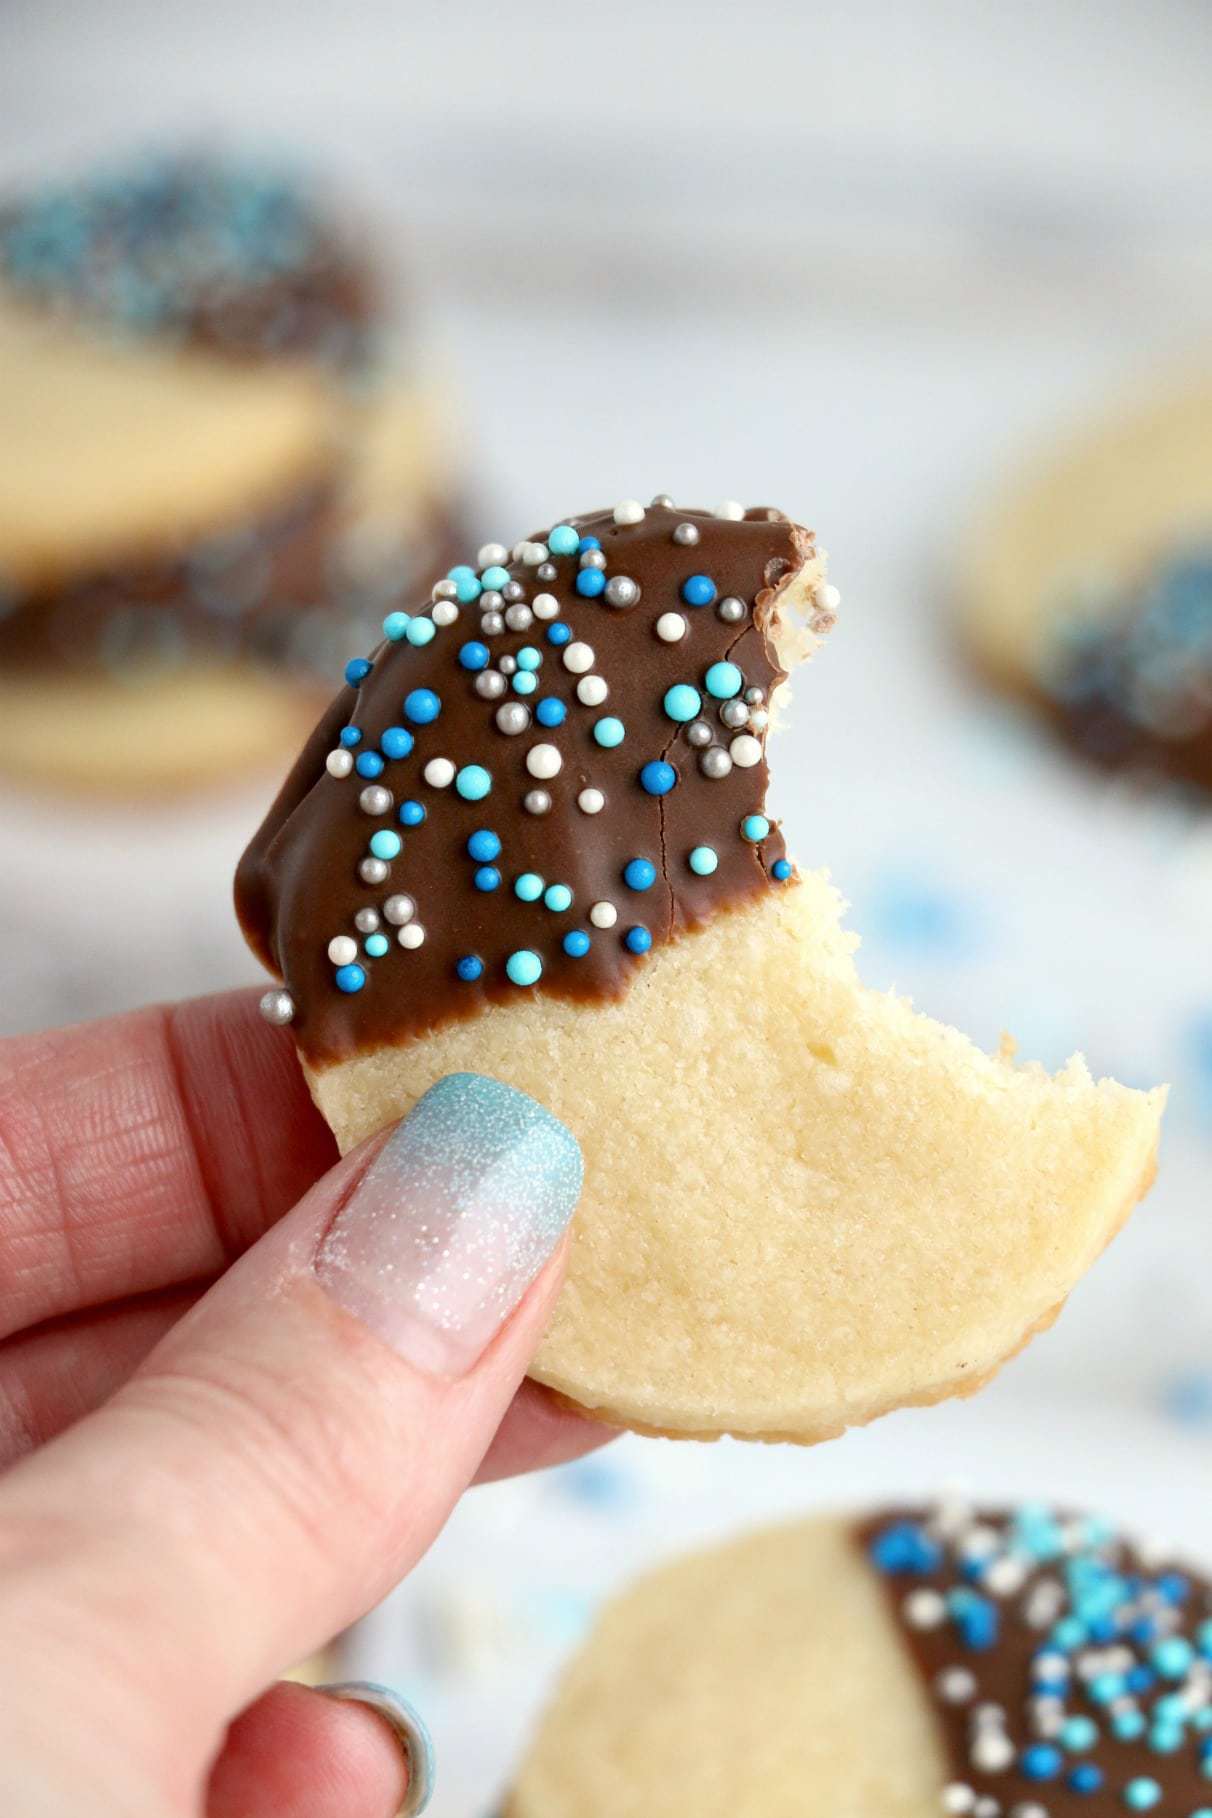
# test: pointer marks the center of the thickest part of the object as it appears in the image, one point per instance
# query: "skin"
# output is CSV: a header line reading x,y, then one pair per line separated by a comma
x,y
171,1476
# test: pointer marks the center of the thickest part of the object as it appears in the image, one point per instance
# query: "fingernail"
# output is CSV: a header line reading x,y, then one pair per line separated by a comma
x,y
453,1220
409,1729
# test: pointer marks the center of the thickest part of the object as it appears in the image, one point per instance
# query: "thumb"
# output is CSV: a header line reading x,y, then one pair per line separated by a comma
x,y
295,1443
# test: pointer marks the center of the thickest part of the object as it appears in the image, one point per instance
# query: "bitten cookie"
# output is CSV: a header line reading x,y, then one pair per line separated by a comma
x,y
531,839
1089,590
906,1665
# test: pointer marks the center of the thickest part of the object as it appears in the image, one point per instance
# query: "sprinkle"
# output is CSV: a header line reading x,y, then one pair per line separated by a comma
x,y
524,967
682,702
349,978
397,742
339,762
591,801
639,874
955,1685
545,605
525,682
490,685
369,764
439,773
422,706
730,610
622,592
780,871
483,845
420,631
558,898
512,717
342,950
374,799
754,827
528,887
495,577
351,735
473,782
590,583
670,627
579,657
576,943
529,657
395,626
544,762
1040,1762
550,711
278,1007
657,777
474,655
715,763
386,843
637,939
372,871
826,598
992,1752
592,690
366,920
533,554
698,590
559,634
410,814
537,801
1173,1657
609,732
1142,1794
487,878
734,715
399,909
687,535
469,967
723,680
593,558
467,589
745,751
376,945
730,509
703,860
1085,1778
356,670
628,511
957,1799
603,915
444,612
563,540
412,935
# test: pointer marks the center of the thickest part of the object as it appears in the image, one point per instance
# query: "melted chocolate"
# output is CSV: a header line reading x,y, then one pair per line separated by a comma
x,y
1035,1636
299,884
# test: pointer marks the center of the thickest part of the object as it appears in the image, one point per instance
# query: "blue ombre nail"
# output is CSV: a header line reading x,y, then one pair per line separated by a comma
x,y
410,1731
453,1220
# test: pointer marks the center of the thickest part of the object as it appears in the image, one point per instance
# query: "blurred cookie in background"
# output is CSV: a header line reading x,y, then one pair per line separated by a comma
x,y
220,468
1089,590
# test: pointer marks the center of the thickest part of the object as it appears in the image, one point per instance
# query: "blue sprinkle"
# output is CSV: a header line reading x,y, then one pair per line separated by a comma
x,y
422,706
462,571
588,543
558,898
1127,1726
349,978
780,871
723,681
1174,1587
657,777
754,827
411,814
524,967
1173,1657
529,657
1166,1738
1142,1794
639,874
577,943
356,670
1105,1688
905,1546
487,878
559,633
484,846
395,626
703,860
397,742
376,945
467,589
473,782
469,967
1085,1778
350,735
609,732
682,702
495,577
550,711
563,540
525,682
368,764
1040,1762
698,590
528,888
590,583
1078,1734
420,631
474,655
637,939
978,1622
386,843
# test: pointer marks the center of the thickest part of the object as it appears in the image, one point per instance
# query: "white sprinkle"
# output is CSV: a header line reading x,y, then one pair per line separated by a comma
x,y
492,555
603,915
399,909
411,935
628,511
544,606
339,762
544,761
591,801
730,508
955,1685
591,691
342,951
439,773
992,1752
958,1798
670,627
746,751
533,554
925,1609
826,597
1006,1576
445,612
578,657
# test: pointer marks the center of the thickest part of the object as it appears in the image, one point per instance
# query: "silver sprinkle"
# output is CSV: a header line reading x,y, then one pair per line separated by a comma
x,y
663,498
699,733
755,696
513,590
759,719
490,600
507,665
730,609
519,617
686,534
537,801
444,590
547,571
593,558
366,921
621,591
374,799
373,871
715,763
399,909
492,625
490,684
734,714
277,1007
513,717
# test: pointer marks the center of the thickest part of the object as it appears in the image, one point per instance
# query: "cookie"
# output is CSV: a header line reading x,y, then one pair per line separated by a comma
x,y
1089,590
531,839
1027,1664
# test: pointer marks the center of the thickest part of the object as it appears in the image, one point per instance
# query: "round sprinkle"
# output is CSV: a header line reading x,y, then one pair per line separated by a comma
x,y
592,690
399,909
591,801
826,598
376,945
657,777
1041,1761
957,1799
342,951
590,583
609,732
512,717
461,571
439,773
395,626
755,696
528,888
628,511
698,590
492,625
754,827
639,874
397,742
519,617
491,685
375,799
514,591
422,706
585,543
356,670
444,612
730,509
562,540
686,534
703,860
491,553
529,657
533,554
487,878
670,627
603,915
576,943
780,871
559,634
474,655
593,558
544,761
682,702
495,576
368,763
349,978
622,592
445,590
723,680
745,751
550,711
351,735
469,968
386,843
366,921
662,499
339,762
473,782
411,936
558,898
579,658
411,814
278,1007
699,734
525,682
537,801
524,967
1142,1794
546,571
715,763
734,715
491,601
637,939
483,846
545,605
467,589
730,609
372,871
420,631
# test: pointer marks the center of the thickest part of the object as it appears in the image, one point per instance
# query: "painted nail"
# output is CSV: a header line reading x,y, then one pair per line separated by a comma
x,y
409,1730
453,1220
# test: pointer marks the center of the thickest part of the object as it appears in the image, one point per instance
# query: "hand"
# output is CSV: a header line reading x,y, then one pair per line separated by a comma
x,y
228,1426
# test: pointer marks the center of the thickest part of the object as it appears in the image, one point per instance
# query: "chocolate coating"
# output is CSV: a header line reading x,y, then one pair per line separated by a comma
x,y
298,885
1067,1569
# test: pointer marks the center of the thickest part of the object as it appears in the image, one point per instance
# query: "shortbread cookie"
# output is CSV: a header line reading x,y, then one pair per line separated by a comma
x,y
530,839
1089,590
904,1665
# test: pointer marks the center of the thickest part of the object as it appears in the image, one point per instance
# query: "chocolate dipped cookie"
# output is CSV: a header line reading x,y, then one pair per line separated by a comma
x,y
531,839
